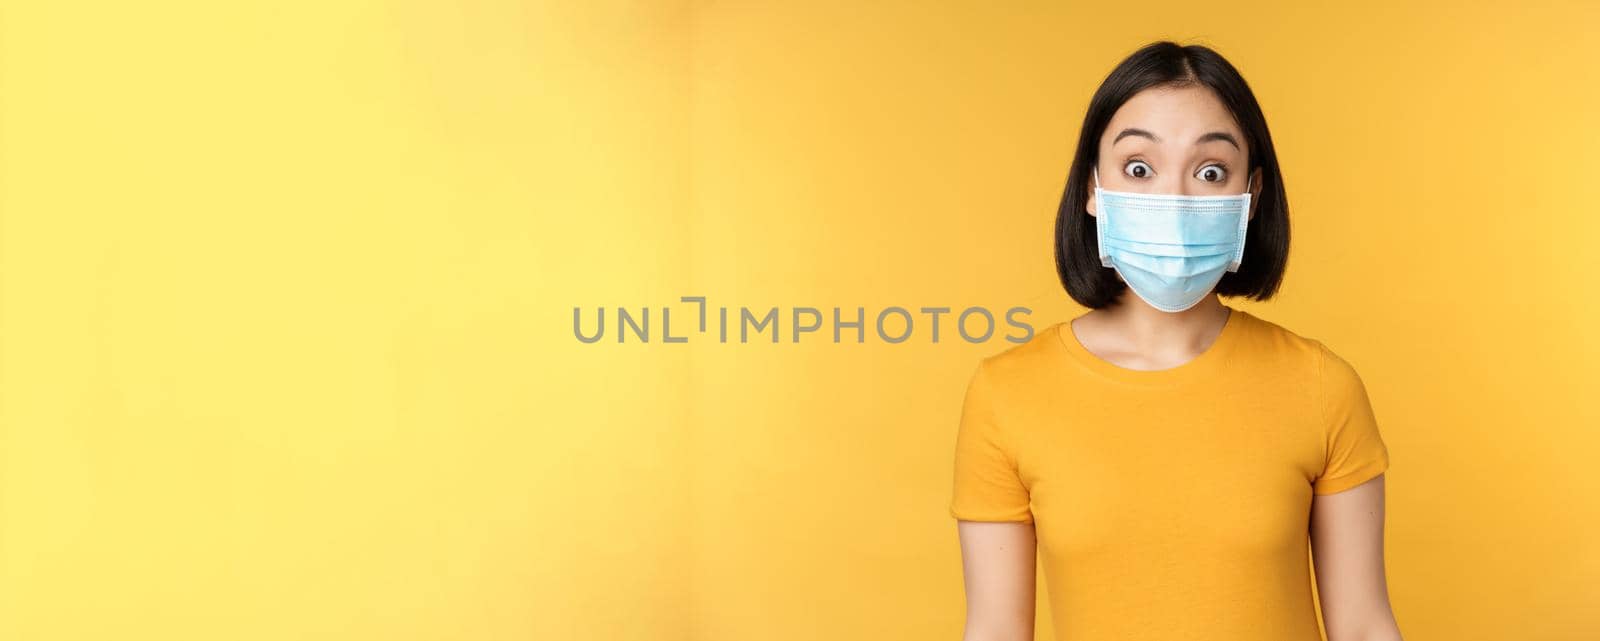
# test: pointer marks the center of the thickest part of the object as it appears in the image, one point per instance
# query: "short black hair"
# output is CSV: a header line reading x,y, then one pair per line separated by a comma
x,y
1165,63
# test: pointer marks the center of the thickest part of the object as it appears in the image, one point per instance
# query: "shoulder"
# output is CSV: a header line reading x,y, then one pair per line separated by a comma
x,y
1269,340
1267,335
1307,354
1021,373
1026,361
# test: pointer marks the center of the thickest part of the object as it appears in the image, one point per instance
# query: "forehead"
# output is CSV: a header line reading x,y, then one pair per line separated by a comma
x,y
1173,114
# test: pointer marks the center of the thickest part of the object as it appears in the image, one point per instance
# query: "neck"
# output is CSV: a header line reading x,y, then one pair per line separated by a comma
x,y
1149,330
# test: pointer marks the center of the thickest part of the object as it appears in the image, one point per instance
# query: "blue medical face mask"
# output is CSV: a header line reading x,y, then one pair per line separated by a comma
x,y
1171,249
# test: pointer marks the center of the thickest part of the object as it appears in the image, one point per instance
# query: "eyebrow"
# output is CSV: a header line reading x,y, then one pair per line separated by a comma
x,y
1209,137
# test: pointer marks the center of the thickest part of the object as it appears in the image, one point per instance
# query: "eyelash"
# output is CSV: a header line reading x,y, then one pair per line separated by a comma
x,y
1222,165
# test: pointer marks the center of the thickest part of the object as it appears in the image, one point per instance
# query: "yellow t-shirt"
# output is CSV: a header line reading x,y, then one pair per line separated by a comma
x,y
1168,504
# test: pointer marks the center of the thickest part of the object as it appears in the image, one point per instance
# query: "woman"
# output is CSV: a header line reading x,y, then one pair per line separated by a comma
x,y
1164,454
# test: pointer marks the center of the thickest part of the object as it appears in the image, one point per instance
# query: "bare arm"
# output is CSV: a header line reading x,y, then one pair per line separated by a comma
x,y
1347,551
997,563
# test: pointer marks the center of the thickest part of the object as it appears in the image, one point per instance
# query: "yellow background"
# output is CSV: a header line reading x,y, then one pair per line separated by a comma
x,y
286,296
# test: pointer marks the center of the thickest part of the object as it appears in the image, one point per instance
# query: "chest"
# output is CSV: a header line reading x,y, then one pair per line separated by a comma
x,y
1227,471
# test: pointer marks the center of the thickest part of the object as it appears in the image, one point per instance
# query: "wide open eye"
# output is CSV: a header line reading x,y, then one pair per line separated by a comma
x,y
1137,169
1212,173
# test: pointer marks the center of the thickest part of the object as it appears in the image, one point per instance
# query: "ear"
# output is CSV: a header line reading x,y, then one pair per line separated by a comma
x,y
1091,206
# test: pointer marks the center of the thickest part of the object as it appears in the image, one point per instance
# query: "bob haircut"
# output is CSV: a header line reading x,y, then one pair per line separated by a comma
x,y
1266,247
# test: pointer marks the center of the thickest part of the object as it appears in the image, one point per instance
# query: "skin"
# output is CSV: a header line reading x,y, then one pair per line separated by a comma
x,y
1346,528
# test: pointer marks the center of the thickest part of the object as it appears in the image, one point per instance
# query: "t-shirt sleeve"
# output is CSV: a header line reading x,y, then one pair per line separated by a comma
x,y
987,484
1355,451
